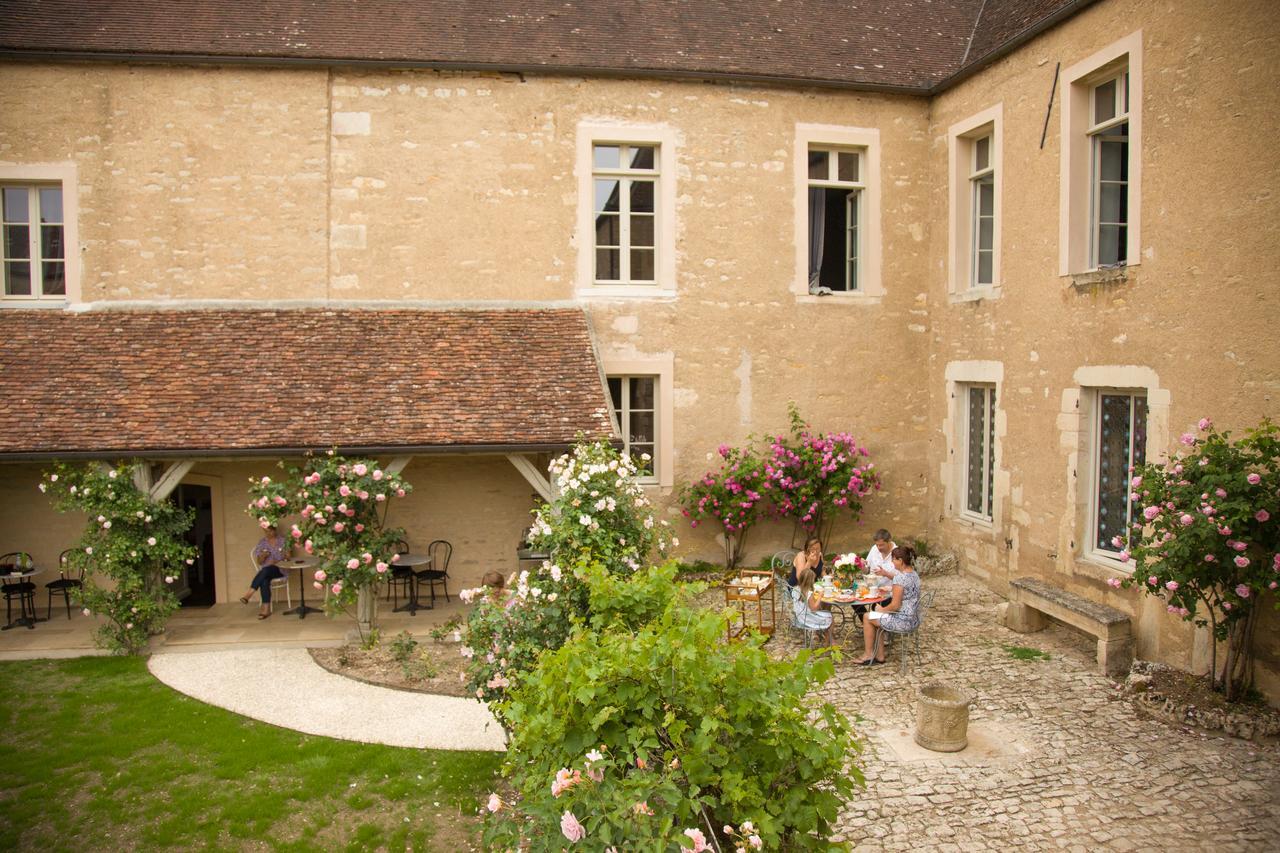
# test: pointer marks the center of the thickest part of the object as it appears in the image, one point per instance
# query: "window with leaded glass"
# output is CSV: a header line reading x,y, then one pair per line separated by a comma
x,y
835,192
34,233
635,407
979,448
1109,156
1120,441
624,186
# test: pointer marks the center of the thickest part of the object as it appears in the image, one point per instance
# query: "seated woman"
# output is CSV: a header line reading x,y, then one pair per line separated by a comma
x,y
901,613
810,614
809,558
272,549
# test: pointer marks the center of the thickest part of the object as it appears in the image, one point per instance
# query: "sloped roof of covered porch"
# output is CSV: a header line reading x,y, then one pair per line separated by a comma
x,y
198,383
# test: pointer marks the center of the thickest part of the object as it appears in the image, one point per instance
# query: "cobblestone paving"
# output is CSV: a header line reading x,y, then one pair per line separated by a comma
x,y
1094,775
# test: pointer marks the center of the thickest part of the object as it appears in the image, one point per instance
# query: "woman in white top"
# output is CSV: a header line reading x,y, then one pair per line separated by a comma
x,y
810,614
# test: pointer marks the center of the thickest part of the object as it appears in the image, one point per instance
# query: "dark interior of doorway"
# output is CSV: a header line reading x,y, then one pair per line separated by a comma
x,y
198,588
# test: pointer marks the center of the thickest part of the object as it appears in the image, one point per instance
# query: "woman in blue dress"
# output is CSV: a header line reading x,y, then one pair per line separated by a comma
x,y
900,614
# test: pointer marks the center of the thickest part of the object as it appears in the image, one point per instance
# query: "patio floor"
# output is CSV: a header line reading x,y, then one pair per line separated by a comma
x,y
1056,759
216,627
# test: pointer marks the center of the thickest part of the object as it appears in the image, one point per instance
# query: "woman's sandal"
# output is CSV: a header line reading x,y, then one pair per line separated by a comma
x,y
263,615
244,599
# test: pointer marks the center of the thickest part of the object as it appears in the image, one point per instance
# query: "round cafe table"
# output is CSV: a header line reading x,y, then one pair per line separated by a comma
x,y
26,597
300,566
847,606
408,561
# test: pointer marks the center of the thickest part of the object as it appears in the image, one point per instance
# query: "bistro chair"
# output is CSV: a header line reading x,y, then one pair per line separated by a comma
x,y
23,590
400,577
781,563
63,585
277,584
911,637
437,571
791,595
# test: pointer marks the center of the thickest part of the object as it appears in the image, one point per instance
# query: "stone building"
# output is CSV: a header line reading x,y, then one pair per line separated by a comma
x,y
1010,245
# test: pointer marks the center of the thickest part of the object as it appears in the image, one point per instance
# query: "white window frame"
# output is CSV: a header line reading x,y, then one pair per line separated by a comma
x,y
1097,136
622,419
960,376
867,142
661,368
39,176
1077,196
962,209
852,207
663,139
1091,548
988,441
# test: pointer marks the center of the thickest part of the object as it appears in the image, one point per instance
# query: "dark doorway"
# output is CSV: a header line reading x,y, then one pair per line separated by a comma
x,y
195,585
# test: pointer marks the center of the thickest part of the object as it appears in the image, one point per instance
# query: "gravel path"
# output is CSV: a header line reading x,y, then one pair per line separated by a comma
x,y
286,688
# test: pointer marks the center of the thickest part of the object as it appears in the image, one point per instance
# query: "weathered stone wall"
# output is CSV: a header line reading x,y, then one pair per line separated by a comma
x,y
1198,312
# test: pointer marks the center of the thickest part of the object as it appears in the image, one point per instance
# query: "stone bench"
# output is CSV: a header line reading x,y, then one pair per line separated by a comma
x,y
1031,600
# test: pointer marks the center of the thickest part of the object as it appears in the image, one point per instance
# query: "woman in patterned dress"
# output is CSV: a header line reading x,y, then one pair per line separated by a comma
x,y
901,613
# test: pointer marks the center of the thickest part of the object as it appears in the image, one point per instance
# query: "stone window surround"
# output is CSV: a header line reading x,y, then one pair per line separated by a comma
x,y
1075,174
871,285
959,375
590,132
662,367
960,138
63,174
1075,430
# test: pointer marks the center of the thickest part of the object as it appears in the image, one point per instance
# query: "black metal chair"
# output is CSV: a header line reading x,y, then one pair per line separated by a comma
x,y
23,590
437,571
63,585
400,577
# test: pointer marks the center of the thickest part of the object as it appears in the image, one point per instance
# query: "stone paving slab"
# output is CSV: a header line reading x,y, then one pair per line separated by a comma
x,y
1094,776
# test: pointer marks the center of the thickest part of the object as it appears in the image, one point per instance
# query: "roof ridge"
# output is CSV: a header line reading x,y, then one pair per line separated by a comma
x,y
968,45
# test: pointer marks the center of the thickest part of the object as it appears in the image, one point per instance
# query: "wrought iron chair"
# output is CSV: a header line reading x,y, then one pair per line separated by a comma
x,y
790,596
400,577
906,638
781,563
277,584
23,590
63,585
437,571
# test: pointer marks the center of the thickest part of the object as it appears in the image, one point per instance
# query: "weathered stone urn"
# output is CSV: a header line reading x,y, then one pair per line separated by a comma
x,y
942,717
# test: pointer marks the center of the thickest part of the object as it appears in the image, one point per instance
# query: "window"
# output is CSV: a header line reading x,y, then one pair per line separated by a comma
x,y
982,192
1100,194
34,242
973,241
837,215
626,210
624,182
1119,442
835,192
635,407
979,448
1109,155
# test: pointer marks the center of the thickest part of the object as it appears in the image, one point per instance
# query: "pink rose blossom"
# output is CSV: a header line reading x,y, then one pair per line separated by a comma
x,y
1241,561
1188,439
381,567
320,575
344,490
353,563
1209,558
377,474
494,804
1135,482
755,841
1262,515
1153,580
1220,492
1150,512
359,528
699,840
1171,585
1254,479
1272,585
642,808
399,493
1186,520
339,526
1242,590
1204,424
1226,605
361,469
336,589
1239,546
1113,582
1123,556
571,828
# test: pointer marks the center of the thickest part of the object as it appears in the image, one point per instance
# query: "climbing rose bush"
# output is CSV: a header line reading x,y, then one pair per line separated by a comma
x,y
731,498
341,506
1206,539
135,542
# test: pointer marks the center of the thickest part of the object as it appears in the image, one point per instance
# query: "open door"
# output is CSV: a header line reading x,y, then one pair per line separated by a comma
x,y
195,586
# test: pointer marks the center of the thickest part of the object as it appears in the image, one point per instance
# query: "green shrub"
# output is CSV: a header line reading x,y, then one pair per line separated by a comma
x,y
402,646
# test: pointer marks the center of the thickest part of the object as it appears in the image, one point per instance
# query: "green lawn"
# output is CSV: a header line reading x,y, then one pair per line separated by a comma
x,y
96,754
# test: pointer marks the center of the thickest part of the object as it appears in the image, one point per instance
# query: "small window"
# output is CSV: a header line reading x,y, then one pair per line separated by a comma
x,y
982,193
835,194
979,448
625,212
1109,158
34,242
1119,442
635,407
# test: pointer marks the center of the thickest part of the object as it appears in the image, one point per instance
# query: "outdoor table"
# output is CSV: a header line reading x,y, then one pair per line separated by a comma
x,y
408,561
747,595
845,604
24,598
299,565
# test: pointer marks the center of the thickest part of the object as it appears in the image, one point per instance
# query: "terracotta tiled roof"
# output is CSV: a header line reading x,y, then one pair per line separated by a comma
x,y
135,382
903,44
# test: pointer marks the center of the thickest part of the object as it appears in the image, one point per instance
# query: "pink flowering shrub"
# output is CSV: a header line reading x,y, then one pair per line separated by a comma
x,y
731,498
337,507
1207,543
655,734
135,542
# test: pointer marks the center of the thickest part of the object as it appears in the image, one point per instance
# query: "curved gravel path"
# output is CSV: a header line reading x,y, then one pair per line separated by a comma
x,y
286,688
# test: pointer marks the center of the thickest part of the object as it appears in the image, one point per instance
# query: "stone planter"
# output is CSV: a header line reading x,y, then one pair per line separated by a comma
x,y
942,717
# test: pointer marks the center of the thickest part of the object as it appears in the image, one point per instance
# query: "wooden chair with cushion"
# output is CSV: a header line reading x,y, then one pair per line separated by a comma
x,y
64,584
